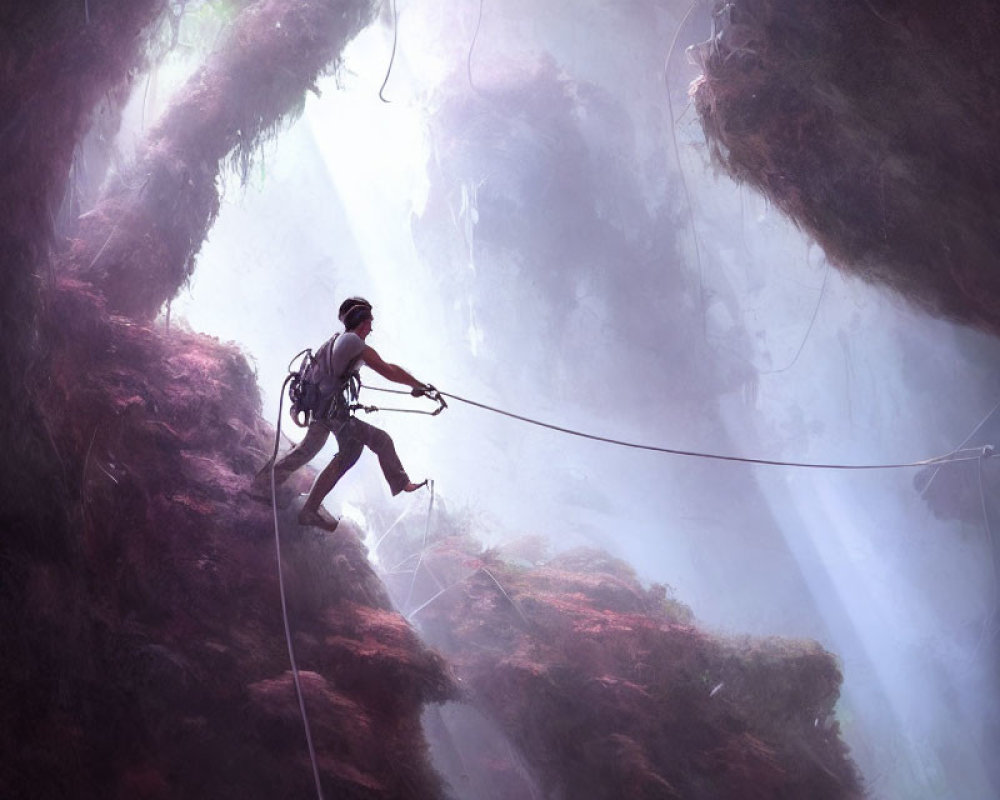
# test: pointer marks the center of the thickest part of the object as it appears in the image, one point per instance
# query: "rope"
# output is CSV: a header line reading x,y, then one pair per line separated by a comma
x,y
410,615
992,544
432,394
504,593
423,547
284,604
392,57
952,457
680,167
812,322
393,526
459,582
468,61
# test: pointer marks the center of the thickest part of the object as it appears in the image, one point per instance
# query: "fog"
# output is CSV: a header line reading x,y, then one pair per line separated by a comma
x,y
537,235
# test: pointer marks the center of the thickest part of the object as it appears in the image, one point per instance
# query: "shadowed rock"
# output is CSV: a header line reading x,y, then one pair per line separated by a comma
x,y
873,126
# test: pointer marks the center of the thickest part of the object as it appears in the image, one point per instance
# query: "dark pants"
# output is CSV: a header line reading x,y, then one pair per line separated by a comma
x,y
353,436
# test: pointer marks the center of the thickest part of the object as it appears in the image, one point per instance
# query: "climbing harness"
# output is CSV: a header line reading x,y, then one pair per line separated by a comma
x,y
307,401
680,167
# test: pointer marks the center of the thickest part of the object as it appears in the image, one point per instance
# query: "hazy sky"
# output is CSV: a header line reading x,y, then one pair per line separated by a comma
x,y
742,340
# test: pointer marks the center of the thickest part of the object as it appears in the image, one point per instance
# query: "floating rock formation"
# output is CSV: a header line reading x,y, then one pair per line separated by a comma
x,y
873,126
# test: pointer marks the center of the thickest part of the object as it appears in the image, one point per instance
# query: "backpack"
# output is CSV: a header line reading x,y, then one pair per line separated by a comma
x,y
307,402
303,389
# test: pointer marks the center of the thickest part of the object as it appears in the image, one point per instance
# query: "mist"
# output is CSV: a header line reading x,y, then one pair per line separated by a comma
x,y
534,215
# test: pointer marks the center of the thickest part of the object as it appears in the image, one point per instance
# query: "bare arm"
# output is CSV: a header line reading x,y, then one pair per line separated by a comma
x,y
392,372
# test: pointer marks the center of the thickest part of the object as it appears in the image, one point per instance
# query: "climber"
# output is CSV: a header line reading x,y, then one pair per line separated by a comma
x,y
338,362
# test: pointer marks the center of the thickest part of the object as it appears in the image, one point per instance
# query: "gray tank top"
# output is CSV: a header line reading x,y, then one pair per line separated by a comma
x,y
337,359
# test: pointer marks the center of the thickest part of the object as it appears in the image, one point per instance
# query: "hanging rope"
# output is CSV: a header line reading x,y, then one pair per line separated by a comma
x,y
392,57
284,604
472,45
392,527
812,322
423,548
680,166
411,614
952,457
992,544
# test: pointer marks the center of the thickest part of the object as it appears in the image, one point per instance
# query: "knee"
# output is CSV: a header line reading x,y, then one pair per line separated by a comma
x,y
379,440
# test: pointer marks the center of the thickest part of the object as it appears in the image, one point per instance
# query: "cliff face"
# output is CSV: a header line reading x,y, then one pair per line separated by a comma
x,y
58,63
150,657
144,652
873,126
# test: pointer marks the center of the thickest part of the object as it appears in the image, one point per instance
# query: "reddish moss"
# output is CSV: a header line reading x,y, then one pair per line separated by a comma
x,y
603,686
165,612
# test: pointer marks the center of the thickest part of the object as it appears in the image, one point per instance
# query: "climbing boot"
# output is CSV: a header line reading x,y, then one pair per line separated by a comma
x,y
318,519
260,490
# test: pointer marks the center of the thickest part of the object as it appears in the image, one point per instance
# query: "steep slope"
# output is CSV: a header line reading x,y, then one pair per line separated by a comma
x,y
144,652
148,652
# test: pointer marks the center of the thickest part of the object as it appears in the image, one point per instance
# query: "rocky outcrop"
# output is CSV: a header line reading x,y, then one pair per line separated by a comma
x,y
873,126
147,655
139,244
58,61
144,652
608,689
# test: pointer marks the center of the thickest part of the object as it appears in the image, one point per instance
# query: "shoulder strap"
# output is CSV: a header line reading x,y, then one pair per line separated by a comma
x,y
329,352
323,359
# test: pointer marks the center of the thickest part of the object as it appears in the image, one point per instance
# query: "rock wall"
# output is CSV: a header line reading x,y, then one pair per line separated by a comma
x,y
873,126
144,648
